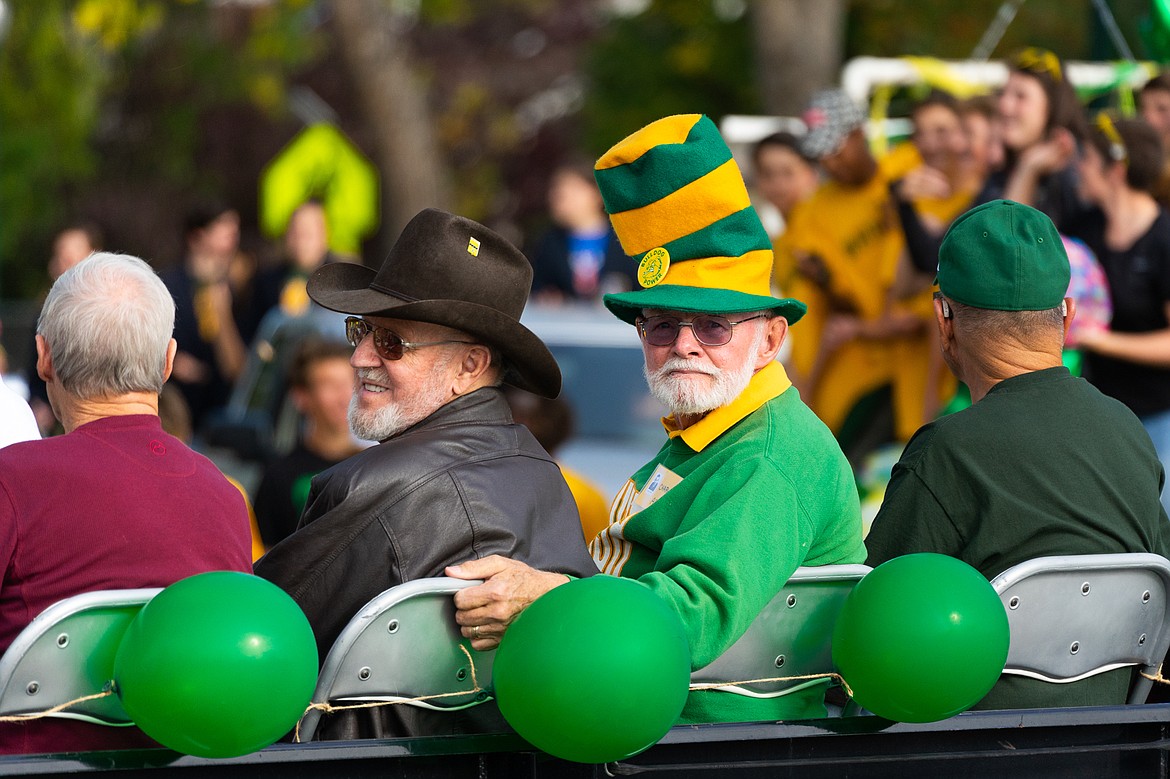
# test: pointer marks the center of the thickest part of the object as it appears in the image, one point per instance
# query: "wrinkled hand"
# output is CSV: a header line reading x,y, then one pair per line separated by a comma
x,y
485,610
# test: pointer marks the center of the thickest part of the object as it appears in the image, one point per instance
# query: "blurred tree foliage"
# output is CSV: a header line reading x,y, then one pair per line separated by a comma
x,y
101,94
52,79
676,56
114,90
951,30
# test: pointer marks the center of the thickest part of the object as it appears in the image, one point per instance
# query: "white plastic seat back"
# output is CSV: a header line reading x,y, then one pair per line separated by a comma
x,y
1075,616
403,644
67,652
792,636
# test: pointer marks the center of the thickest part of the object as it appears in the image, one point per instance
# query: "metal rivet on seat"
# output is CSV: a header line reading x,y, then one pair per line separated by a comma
x,y
1146,596
364,673
791,601
461,674
1014,603
63,640
33,688
780,661
1142,639
1076,647
393,626
1085,588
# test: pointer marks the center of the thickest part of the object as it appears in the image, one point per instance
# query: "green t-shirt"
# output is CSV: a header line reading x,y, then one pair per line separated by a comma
x,y
1043,465
771,493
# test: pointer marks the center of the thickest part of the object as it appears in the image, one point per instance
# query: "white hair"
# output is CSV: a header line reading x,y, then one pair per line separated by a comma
x,y
108,321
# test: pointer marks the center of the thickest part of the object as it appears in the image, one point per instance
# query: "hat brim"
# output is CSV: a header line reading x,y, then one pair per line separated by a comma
x,y
345,287
627,306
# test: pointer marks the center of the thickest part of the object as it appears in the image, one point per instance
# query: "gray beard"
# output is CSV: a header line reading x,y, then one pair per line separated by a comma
x,y
390,420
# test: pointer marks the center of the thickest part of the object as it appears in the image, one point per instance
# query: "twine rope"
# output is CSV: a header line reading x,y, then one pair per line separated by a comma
x,y
1157,676
108,691
716,685
329,708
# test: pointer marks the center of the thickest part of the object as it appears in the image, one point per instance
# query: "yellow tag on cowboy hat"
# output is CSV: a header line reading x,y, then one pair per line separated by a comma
x,y
653,267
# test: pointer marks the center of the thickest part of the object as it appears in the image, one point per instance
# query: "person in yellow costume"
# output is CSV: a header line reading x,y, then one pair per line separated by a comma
x,y
840,255
936,186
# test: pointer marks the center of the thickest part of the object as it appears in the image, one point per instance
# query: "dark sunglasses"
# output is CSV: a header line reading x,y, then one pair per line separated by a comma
x,y
709,330
387,343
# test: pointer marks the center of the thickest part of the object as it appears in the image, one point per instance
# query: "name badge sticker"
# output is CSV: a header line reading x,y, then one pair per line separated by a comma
x,y
661,481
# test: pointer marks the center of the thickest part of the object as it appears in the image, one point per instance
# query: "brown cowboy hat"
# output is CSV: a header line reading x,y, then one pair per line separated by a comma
x,y
448,270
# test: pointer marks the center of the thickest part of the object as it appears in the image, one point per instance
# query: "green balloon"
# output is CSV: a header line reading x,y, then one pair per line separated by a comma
x,y
921,638
217,665
594,671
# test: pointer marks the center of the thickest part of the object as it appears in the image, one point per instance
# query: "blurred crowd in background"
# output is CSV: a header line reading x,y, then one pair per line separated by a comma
x,y
857,225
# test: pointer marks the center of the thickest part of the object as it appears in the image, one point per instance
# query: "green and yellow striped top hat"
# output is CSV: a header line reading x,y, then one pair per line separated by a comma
x,y
681,210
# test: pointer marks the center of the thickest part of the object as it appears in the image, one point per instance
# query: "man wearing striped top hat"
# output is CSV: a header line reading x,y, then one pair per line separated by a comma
x,y
749,484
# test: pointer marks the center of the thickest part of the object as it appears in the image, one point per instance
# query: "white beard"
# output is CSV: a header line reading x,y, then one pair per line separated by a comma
x,y
393,418
683,396
686,395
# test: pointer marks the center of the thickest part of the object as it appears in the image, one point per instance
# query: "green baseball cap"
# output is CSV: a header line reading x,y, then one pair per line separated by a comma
x,y
1003,256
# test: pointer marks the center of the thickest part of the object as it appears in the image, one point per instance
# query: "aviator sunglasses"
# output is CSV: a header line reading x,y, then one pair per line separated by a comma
x,y
709,330
388,344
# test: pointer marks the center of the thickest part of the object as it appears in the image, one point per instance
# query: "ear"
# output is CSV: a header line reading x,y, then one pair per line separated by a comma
x,y
169,360
777,331
475,363
44,360
1069,309
944,318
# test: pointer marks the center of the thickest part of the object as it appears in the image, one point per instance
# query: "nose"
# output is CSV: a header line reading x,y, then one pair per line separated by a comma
x,y
686,343
364,355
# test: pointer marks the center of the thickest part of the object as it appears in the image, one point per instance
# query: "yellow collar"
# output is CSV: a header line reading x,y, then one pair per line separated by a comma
x,y
769,382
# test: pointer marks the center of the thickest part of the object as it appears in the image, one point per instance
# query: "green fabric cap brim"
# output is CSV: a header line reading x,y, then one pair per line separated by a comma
x,y
627,306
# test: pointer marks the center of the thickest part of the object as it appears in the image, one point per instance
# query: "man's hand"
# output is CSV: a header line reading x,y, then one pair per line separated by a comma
x,y
485,610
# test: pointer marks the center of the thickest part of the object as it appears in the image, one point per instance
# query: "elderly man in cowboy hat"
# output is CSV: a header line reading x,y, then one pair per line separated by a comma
x,y
453,476
749,484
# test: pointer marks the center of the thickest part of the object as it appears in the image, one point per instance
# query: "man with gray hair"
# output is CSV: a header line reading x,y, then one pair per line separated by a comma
x,y
115,503
1042,464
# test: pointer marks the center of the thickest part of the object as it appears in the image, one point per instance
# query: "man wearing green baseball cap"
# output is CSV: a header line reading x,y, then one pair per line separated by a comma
x,y
1042,464
749,484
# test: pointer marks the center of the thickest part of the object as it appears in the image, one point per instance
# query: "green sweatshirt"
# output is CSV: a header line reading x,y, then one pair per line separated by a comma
x,y
764,489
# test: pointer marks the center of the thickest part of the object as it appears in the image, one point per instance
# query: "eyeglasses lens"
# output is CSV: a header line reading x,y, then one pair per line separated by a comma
x,y
712,330
708,330
387,344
